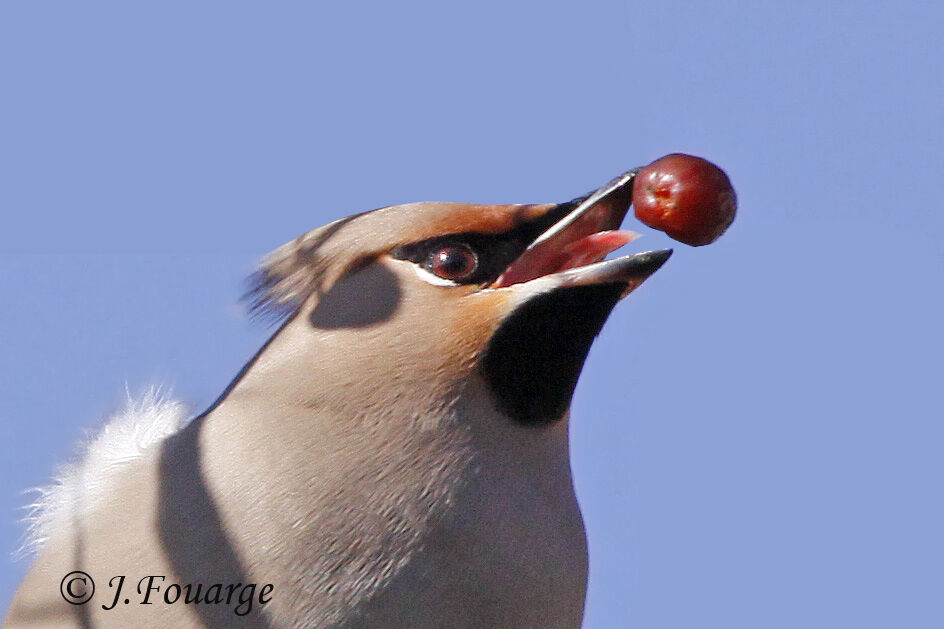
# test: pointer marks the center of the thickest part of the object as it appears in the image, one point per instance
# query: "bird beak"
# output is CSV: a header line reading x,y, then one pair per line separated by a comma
x,y
572,250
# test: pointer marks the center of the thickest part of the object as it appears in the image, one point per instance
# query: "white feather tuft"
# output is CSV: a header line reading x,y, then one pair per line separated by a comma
x,y
126,436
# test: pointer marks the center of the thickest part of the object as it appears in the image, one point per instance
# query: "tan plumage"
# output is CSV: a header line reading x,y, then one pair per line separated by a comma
x,y
395,456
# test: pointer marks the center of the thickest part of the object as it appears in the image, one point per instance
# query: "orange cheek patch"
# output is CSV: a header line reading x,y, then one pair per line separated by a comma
x,y
478,315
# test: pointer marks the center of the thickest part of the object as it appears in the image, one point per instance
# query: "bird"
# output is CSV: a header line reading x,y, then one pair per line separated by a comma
x,y
395,455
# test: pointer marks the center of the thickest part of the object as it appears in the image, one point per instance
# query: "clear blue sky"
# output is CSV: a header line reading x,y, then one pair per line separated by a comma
x,y
758,432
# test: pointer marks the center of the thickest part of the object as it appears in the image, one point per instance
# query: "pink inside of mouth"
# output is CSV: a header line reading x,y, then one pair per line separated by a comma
x,y
550,257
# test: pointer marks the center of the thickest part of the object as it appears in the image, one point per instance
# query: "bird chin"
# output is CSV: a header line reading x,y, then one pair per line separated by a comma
x,y
533,360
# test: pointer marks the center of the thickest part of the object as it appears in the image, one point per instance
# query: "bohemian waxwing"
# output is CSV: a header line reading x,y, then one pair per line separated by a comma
x,y
396,455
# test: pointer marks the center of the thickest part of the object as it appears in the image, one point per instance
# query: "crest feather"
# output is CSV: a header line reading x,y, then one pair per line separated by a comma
x,y
288,276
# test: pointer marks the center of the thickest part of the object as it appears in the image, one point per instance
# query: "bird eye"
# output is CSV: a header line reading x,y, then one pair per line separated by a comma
x,y
453,262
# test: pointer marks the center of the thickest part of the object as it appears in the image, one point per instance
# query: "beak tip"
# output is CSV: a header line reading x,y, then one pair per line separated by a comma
x,y
651,261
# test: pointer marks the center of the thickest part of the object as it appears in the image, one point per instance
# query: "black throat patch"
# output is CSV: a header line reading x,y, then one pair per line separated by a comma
x,y
534,359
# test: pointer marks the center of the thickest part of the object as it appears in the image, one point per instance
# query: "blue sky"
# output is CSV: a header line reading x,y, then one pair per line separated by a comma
x,y
757,434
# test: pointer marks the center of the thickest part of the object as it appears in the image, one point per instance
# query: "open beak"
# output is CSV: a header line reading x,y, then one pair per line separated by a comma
x,y
574,247
535,356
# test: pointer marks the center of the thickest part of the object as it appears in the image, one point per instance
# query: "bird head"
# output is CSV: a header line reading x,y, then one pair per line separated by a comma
x,y
434,298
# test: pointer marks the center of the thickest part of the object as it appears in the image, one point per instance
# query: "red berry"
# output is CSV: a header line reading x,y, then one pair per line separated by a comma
x,y
687,197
